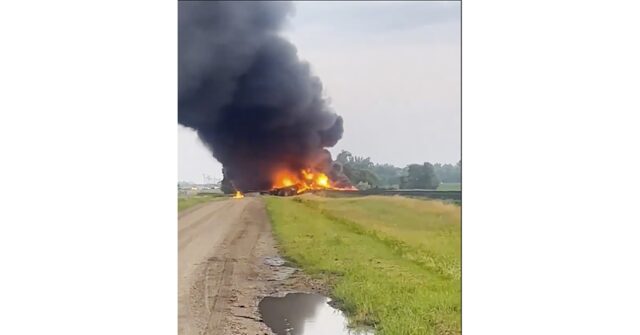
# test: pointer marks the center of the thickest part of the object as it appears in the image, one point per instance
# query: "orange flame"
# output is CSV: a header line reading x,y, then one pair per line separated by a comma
x,y
305,179
238,195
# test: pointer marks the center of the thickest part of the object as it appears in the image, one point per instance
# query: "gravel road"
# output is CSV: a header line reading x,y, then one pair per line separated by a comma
x,y
221,247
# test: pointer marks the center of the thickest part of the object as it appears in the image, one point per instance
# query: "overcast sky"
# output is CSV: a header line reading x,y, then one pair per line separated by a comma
x,y
391,69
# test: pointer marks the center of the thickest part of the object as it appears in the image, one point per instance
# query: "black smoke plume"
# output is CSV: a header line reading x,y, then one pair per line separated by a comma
x,y
252,101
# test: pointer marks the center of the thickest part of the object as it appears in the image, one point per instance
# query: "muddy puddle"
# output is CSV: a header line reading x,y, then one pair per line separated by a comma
x,y
305,314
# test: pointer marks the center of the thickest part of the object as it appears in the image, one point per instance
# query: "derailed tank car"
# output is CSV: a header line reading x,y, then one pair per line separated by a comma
x,y
282,191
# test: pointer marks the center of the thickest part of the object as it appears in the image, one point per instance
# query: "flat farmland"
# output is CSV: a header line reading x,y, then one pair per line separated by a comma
x,y
390,262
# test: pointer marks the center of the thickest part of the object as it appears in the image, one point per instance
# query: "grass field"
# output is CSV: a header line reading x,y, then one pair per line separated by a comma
x,y
391,262
190,201
449,187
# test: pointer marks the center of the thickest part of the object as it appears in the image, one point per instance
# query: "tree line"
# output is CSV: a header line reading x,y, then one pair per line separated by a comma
x,y
365,174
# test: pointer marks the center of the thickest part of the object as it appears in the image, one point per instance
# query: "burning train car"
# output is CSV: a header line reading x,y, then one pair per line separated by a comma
x,y
287,183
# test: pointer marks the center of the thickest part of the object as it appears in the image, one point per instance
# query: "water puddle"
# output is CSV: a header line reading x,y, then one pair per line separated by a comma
x,y
305,314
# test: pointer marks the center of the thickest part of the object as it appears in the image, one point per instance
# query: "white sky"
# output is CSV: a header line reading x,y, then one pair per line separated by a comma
x,y
391,69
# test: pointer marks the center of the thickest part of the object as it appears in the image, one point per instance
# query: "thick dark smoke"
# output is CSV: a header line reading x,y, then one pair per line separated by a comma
x,y
242,87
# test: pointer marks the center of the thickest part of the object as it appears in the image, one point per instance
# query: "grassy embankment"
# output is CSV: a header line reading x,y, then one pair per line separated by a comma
x,y
449,187
390,262
185,202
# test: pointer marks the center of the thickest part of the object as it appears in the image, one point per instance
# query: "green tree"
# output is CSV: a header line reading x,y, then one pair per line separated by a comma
x,y
420,176
358,169
344,157
388,174
357,176
448,173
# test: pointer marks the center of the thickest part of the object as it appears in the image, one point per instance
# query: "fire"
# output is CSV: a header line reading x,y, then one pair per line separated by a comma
x,y
238,195
303,180
322,180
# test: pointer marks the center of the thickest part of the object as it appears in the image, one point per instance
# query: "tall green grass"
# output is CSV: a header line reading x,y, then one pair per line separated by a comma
x,y
391,262
190,201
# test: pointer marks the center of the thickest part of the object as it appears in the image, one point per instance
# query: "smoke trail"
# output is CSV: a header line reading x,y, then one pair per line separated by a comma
x,y
242,87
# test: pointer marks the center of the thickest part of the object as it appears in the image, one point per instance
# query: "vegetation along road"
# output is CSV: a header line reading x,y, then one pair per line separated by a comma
x,y
390,262
186,202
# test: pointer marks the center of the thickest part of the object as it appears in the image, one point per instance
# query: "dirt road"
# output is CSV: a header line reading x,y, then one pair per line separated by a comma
x,y
221,247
